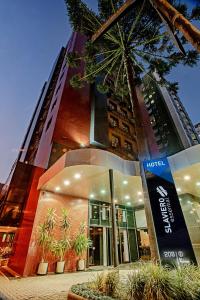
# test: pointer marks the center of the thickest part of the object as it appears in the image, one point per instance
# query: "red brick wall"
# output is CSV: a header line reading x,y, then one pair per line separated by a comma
x,y
78,211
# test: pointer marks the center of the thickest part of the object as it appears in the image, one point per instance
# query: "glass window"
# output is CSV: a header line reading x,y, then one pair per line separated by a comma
x,y
114,122
95,212
128,146
115,141
125,128
140,218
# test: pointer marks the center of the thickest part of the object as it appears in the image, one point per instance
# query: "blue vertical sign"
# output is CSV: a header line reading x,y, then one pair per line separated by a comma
x,y
173,239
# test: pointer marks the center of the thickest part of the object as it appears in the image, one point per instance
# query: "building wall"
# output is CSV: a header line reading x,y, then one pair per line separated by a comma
x,y
78,212
172,134
197,128
68,120
22,238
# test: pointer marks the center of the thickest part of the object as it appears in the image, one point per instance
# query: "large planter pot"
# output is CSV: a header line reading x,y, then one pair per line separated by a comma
x,y
72,296
60,266
42,268
81,265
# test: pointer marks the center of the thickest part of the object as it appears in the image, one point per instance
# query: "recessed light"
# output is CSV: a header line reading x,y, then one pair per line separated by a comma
x,y
103,192
140,200
91,196
66,182
178,189
128,203
127,197
198,183
125,182
187,177
57,189
77,176
139,193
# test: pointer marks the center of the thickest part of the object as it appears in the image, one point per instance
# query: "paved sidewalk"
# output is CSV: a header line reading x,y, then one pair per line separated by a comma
x,y
50,287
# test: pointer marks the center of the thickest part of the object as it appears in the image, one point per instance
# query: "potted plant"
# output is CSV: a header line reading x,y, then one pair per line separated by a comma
x,y
59,247
45,231
80,246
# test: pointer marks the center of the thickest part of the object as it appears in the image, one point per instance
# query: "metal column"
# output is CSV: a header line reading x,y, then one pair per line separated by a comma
x,y
114,223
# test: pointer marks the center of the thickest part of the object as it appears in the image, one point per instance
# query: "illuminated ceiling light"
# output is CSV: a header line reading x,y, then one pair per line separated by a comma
x,y
198,183
127,197
180,199
178,189
128,203
140,200
77,176
82,145
115,201
189,202
103,192
191,212
66,182
92,196
57,189
139,193
125,182
187,177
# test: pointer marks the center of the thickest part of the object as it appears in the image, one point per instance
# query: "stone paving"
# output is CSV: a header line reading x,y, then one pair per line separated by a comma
x,y
50,287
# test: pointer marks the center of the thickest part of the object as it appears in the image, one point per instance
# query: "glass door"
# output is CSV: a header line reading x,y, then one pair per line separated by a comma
x,y
123,248
96,249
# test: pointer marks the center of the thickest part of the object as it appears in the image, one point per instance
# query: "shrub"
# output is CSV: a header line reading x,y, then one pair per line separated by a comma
x,y
187,280
148,282
85,291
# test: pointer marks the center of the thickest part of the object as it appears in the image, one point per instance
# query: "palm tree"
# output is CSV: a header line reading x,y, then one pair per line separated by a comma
x,y
136,44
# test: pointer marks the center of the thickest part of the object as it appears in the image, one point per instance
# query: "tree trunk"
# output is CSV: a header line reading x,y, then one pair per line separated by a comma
x,y
146,142
190,32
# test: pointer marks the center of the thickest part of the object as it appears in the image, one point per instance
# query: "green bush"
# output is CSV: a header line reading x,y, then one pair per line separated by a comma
x,y
147,282
85,291
187,280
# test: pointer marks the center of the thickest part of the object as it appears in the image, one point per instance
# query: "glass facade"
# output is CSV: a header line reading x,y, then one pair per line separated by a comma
x,y
132,234
187,182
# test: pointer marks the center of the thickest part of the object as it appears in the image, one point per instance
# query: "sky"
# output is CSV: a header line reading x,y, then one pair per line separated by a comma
x,y
31,35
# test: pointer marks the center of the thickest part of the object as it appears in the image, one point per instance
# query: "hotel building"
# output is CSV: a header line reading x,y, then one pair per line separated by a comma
x,y
80,152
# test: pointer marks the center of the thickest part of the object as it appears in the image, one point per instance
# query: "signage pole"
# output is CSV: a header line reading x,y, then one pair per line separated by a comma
x,y
114,223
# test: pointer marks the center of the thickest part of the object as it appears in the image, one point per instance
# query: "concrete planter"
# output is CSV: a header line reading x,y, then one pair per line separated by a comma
x,y
42,268
81,265
72,296
60,266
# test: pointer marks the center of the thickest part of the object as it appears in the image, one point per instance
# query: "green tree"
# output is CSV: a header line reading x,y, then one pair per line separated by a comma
x,y
136,44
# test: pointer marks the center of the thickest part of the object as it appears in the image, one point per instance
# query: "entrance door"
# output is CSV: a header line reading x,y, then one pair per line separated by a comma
x,y
123,249
143,244
96,249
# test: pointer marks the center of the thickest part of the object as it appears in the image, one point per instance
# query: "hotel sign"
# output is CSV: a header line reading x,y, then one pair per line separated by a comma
x,y
173,239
